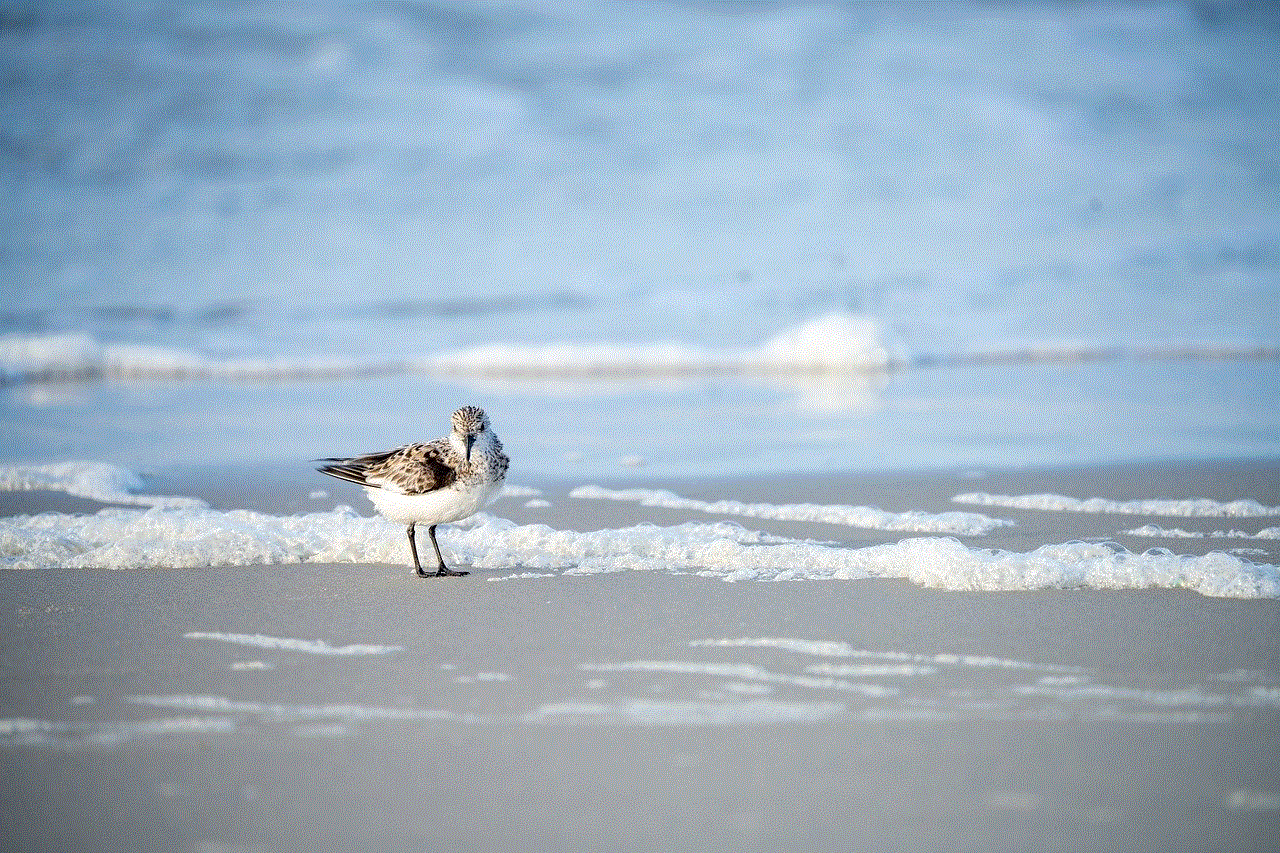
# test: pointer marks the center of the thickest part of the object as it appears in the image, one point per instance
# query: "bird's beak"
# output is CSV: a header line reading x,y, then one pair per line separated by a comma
x,y
471,439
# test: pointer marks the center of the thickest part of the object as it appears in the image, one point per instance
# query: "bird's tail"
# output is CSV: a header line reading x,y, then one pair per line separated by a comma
x,y
356,468
344,469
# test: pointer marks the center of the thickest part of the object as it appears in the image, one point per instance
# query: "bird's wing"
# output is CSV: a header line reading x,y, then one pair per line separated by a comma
x,y
358,469
350,470
410,470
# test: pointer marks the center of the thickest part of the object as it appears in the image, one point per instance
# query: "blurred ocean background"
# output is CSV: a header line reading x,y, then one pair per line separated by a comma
x,y
665,239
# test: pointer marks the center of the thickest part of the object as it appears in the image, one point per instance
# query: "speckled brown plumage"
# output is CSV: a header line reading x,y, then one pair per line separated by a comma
x,y
433,482
414,469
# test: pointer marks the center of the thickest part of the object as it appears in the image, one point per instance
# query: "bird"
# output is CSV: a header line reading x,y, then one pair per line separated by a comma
x,y
434,482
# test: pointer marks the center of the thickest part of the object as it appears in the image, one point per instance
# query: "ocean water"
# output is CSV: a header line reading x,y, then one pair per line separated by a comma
x,y
666,239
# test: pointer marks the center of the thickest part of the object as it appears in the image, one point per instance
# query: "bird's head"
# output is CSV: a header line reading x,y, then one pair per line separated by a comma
x,y
469,422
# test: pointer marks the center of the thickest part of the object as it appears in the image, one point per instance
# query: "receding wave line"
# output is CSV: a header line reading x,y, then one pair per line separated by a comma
x,y
42,358
834,345
866,517
1169,507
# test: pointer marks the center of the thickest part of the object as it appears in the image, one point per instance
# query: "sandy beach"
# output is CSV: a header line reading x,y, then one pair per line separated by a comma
x,y
351,707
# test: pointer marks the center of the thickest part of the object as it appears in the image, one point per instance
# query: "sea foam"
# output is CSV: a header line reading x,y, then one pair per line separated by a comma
x,y
1189,508
22,731
36,357
282,711
687,713
867,517
1154,531
315,647
98,481
834,343
197,537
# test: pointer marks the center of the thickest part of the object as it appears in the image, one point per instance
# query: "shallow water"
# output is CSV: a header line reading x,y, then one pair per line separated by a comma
x,y
274,234
918,418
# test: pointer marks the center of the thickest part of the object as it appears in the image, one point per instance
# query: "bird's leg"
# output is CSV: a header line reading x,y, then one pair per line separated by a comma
x,y
443,571
413,548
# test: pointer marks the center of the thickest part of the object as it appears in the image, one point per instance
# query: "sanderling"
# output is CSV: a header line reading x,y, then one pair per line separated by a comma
x,y
433,483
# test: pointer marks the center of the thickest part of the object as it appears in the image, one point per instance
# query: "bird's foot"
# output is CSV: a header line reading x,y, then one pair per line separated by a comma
x,y
442,572
446,572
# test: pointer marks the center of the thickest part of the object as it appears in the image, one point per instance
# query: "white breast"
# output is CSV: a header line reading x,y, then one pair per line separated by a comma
x,y
439,507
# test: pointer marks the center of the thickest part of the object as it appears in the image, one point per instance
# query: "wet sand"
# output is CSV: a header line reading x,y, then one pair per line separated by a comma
x,y
194,709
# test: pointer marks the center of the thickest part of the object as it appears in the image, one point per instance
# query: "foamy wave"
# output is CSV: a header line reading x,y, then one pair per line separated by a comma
x,y
672,713
23,731
29,358
185,538
510,490
286,712
1189,508
1156,532
196,537
1189,697
315,647
835,343
838,343
98,481
866,517
513,361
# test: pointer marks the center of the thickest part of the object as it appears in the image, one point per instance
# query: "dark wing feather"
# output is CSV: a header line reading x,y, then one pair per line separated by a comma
x,y
354,469
412,470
